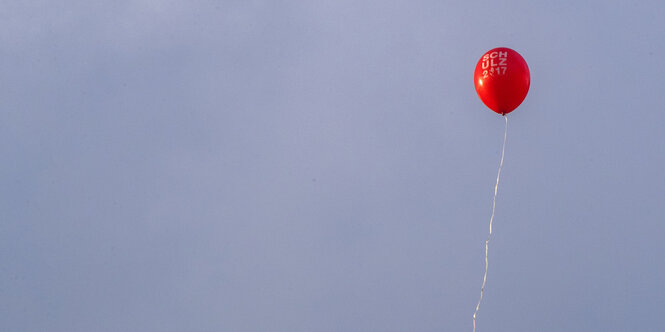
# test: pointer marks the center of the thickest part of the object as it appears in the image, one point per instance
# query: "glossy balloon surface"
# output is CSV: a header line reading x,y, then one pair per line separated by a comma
x,y
502,79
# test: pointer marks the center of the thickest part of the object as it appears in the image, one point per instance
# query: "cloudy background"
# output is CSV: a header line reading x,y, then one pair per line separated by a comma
x,y
327,166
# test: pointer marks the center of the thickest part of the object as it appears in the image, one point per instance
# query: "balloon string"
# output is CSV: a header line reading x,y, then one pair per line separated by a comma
x,y
487,242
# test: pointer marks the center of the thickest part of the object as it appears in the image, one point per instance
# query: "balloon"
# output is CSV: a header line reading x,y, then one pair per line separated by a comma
x,y
502,79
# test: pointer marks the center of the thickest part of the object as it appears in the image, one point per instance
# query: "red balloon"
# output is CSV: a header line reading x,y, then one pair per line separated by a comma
x,y
502,79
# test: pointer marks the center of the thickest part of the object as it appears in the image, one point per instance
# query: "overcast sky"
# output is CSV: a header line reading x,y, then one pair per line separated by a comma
x,y
327,166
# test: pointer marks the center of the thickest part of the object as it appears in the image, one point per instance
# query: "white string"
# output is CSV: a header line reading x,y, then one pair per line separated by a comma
x,y
487,242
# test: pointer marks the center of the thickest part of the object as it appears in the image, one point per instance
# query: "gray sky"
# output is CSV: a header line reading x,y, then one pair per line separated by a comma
x,y
327,166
